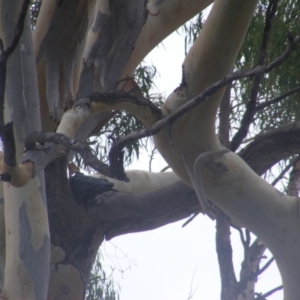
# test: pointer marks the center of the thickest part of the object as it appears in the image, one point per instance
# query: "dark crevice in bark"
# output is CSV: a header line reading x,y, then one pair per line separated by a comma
x,y
9,146
6,53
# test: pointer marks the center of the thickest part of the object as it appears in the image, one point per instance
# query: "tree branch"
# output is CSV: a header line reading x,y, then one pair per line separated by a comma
x,y
261,154
120,144
245,241
264,296
248,274
122,213
266,266
224,252
271,147
276,99
89,158
224,117
189,220
116,97
250,107
284,171
115,154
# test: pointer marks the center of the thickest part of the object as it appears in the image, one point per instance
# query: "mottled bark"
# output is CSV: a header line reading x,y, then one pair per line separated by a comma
x,y
26,222
78,228
83,47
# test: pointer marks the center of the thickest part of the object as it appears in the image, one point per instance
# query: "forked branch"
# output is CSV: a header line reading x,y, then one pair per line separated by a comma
x,y
159,125
250,107
115,169
89,158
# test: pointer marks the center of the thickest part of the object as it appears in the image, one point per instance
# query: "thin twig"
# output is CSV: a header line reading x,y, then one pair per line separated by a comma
x,y
244,240
153,152
279,288
165,169
192,292
264,296
293,161
189,220
266,266
277,99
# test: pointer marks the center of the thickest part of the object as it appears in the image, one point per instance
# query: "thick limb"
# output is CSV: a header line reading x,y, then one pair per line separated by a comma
x,y
196,179
255,204
142,181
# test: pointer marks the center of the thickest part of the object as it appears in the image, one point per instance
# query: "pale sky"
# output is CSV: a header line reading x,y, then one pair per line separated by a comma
x,y
170,262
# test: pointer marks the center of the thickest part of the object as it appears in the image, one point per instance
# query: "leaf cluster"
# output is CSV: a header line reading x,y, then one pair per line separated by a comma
x,y
123,123
191,31
100,286
285,25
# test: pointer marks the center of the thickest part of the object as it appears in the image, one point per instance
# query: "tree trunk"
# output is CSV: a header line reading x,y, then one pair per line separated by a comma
x,y
26,220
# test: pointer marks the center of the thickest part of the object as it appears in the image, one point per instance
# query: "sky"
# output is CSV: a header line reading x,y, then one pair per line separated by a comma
x,y
172,262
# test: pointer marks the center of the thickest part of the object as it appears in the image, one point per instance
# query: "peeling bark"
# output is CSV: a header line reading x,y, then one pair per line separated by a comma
x,y
96,27
72,60
248,276
27,238
59,39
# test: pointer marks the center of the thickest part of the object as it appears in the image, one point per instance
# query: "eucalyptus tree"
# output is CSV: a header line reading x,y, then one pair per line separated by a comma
x,y
66,81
